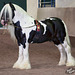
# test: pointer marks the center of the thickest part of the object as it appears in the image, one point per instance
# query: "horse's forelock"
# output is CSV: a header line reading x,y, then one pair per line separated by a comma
x,y
6,12
12,6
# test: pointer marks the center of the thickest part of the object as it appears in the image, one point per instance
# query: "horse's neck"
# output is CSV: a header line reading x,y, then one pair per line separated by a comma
x,y
24,18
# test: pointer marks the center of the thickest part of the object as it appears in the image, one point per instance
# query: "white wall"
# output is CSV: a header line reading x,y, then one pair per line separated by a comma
x,y
66,14
32,6
65,3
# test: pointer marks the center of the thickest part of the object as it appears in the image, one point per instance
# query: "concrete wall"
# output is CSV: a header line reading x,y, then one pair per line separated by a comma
x,y
32,6
66,14
65,3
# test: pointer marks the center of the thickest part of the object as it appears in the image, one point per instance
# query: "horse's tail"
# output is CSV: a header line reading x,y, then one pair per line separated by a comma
x,y
67,36
12,32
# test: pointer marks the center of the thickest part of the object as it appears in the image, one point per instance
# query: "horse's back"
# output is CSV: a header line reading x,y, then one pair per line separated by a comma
x,y
56,28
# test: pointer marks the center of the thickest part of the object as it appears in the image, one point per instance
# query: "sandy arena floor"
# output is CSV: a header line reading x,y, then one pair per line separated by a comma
x,y
44,58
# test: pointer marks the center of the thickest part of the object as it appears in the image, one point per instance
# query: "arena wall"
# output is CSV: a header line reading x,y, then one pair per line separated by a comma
x,y
66,14
32,6
65,3
64,9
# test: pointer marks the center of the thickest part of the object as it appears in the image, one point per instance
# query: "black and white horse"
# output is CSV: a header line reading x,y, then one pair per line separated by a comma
x,y
28,30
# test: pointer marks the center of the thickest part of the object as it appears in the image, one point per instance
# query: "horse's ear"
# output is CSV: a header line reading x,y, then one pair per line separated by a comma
x,y
12,6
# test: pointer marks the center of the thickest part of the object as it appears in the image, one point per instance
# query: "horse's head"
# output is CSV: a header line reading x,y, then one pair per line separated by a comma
x,y
7,14
12,13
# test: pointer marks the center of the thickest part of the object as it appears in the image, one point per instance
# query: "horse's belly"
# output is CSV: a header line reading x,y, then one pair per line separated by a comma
x,y
39,39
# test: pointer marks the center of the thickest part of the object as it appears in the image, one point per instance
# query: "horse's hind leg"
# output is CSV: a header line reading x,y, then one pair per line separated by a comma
x,y
62,55
70,58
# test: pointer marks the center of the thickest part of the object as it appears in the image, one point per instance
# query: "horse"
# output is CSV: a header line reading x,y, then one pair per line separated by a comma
x,y
28,30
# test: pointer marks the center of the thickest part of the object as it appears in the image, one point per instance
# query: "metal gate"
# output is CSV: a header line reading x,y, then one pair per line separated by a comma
x,y
46,3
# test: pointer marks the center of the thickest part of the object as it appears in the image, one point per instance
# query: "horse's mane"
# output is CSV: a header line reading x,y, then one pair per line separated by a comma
x,y
8,9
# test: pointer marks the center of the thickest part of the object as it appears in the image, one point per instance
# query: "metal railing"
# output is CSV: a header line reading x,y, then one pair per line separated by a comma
x,y
45,3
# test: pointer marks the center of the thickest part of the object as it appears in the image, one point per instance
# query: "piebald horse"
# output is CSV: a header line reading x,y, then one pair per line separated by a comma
x,y
27,30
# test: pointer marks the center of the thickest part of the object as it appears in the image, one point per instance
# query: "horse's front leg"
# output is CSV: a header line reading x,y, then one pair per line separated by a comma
x,y
25,63
20,57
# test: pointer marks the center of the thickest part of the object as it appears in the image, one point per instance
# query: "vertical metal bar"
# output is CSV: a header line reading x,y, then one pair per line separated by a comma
x,y
51,3
38,3
54,3
41,3
44,3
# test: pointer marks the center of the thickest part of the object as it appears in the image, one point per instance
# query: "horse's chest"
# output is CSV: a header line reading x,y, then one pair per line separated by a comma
x,y
36,37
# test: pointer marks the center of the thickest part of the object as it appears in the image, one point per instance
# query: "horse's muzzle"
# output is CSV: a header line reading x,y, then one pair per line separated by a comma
x,y
4,23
